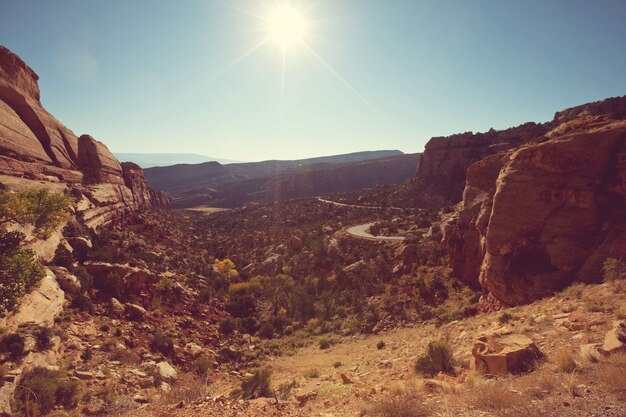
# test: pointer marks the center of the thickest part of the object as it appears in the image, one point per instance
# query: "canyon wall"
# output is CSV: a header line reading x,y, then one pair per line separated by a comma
x,y
36,150
547,212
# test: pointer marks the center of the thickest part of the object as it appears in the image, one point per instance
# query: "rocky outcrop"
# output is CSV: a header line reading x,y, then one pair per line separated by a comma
x,y
549,212
441,174
504,354
36,150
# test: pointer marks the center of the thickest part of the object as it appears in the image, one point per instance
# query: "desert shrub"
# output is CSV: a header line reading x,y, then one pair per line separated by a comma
x,y
401,406
380,345
111,286
266,331
43,338
205,294
165,288
227,354
63,257
124,355
227,326
162,342
312,373
87,354
613,269
83,303
257,385
438,358
202,364
324,343
505,318
13,345
19,270
565,361
42,389
85,278
242,298
337,364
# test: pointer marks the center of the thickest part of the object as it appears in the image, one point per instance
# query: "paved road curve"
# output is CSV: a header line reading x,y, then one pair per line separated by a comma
x,y
362,231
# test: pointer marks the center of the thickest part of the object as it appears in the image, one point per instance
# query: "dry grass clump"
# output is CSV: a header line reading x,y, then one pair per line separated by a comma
x,y
564,359
438,358
496,397
402,406
612,374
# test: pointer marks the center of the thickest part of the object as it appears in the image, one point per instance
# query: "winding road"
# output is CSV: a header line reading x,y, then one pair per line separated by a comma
x,y
362,230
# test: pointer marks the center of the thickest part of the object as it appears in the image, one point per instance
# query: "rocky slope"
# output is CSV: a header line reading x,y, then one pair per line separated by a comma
x,y
541,215
36,150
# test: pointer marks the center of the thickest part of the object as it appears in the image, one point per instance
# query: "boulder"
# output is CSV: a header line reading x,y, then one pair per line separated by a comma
x,y
271,266
135,312
166,371
615,339
116,309
504,354
40,307
67,281
307,392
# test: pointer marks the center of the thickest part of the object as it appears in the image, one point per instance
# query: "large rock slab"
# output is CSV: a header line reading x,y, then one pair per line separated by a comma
x,y
504,354
40,307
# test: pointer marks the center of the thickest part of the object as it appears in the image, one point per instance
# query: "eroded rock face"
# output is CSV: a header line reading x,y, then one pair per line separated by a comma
x,y
36,150
441,174
549,212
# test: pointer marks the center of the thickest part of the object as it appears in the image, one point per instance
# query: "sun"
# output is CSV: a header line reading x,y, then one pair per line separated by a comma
x,y
286,26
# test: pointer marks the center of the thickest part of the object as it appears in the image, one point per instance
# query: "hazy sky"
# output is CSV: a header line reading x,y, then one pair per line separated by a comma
x,y
157,76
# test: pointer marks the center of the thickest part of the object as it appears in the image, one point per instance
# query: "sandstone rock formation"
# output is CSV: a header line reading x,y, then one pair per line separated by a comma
x,y
501,355
36,150
441,174
539,216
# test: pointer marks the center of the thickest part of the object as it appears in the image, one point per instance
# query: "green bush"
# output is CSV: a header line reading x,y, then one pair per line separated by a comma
x,y
324,343
13,345
438,358
19,270
266,331
613,269
202,364
162,342
41,390
43,337
227,326
257,385
83,303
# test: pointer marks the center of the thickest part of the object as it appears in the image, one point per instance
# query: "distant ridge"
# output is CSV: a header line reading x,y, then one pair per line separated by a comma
x,y
211,183
147,160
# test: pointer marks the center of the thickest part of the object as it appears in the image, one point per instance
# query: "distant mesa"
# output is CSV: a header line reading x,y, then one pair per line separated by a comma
x,y
147,160
234,185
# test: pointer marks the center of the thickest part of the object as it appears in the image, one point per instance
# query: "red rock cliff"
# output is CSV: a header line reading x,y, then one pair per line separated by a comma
x,y
36,150
547,213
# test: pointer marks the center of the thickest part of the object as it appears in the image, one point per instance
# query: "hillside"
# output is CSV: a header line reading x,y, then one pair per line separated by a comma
x,y
214,184
147,160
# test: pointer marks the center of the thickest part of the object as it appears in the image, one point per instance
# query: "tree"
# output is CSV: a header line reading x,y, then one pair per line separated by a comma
x,y
19,270
277,290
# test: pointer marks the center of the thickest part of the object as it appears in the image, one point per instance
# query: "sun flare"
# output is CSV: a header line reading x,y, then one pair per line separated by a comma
x,y
286,26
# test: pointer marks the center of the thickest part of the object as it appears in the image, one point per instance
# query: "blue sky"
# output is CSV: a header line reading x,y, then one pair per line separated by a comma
x,y
155,76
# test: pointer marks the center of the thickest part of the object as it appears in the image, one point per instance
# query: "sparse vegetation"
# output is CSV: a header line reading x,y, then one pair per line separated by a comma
x,y
312,373
565,361
380,345
614,269
324,343
438,358
401,406
257,385
42,389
